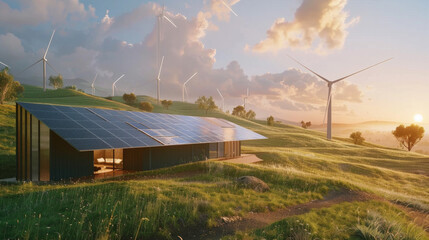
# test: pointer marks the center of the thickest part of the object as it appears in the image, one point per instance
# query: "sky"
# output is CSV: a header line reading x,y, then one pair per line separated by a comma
x,y
334,38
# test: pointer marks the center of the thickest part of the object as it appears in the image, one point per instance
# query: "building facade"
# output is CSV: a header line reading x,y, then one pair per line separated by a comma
x,y
59,142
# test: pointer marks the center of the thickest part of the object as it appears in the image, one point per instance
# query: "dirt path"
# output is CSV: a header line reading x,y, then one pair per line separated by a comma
x,y
258,220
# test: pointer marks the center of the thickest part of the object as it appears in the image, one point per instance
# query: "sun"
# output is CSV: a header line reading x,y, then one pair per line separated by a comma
x,y
418,118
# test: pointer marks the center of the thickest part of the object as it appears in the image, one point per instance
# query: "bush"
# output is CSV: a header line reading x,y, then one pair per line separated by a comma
x,y
166,103
129,99
146,106
270,121
357,138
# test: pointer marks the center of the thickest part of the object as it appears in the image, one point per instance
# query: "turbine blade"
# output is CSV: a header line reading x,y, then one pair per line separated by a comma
x,y
118,80
219,93
340,79
52,67
46,52
94,78
5,65
168,19
324,79
31,65
230,9
190,78
160,67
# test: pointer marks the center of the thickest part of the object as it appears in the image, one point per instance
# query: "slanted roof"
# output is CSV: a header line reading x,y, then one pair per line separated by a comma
x,y
89,129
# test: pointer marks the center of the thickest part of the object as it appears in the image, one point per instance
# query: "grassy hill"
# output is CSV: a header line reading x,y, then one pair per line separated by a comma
x,y
299,166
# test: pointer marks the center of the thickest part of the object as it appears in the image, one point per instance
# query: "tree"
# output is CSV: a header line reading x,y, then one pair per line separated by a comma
x,y
146,106
357,137
250,115
408,136
9,89
56,81
239,111
166,103
270,121
305,124
129,98
206,104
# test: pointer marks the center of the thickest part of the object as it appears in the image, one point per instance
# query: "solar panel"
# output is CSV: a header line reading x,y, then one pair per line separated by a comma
x,y
92,128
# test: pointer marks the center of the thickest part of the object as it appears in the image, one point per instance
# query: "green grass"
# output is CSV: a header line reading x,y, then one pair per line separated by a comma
x,y
355,220
299,165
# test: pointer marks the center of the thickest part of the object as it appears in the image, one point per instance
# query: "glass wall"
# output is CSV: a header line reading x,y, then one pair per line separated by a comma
x,y
23,165
34,149
18,143
28,143
44,152
213,150
108,160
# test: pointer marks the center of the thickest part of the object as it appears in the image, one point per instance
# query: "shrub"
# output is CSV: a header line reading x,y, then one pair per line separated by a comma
x,y
146,106
129,98
357,137
270,121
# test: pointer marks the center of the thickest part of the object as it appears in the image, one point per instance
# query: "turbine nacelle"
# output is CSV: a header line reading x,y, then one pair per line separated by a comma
x,y
328,110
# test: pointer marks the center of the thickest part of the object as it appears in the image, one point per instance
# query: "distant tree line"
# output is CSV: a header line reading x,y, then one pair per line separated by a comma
x,y
240,111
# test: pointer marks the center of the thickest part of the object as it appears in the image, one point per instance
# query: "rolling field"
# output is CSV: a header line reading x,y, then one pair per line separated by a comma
x,y
299,165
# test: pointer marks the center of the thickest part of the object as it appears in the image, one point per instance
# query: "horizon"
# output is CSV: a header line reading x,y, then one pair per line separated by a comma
x,y
233,53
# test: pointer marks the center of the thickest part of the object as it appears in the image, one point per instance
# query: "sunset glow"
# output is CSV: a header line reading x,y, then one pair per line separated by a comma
x,y
418,118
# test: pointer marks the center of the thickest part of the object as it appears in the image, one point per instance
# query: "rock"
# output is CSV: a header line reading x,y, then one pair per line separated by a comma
x,y
253,183
230,219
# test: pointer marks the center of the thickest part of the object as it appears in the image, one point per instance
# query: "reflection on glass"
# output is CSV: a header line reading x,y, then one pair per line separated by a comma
x,y
213,150
221,147
34,149
44,152
28,144
22,112
18,142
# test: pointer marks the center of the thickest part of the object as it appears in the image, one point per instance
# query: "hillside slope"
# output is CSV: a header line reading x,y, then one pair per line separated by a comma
x,y
299,166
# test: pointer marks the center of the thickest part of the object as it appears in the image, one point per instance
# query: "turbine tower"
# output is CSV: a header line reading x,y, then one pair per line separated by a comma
x,y
184,87
114,84
4,64
223,99
92,84
161,17
328,111
45,61
245,99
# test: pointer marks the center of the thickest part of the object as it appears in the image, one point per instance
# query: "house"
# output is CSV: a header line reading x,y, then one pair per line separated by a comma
x,y
61,142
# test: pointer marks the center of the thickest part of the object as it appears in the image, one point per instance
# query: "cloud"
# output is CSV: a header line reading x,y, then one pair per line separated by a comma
x,y
220,10
80,53
34,12
317,22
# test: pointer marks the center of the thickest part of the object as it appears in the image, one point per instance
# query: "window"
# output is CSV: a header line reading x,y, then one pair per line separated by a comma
x,y
34,149
44,153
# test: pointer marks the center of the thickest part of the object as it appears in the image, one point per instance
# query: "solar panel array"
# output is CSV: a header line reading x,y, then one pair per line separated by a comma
x,y
93,128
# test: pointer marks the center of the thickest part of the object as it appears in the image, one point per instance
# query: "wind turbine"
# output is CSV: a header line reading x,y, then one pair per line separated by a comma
x,y
229,8
184,87
328,110
223,99
92,84
245,98
4,64
45,61
158,79
161,17
114,84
